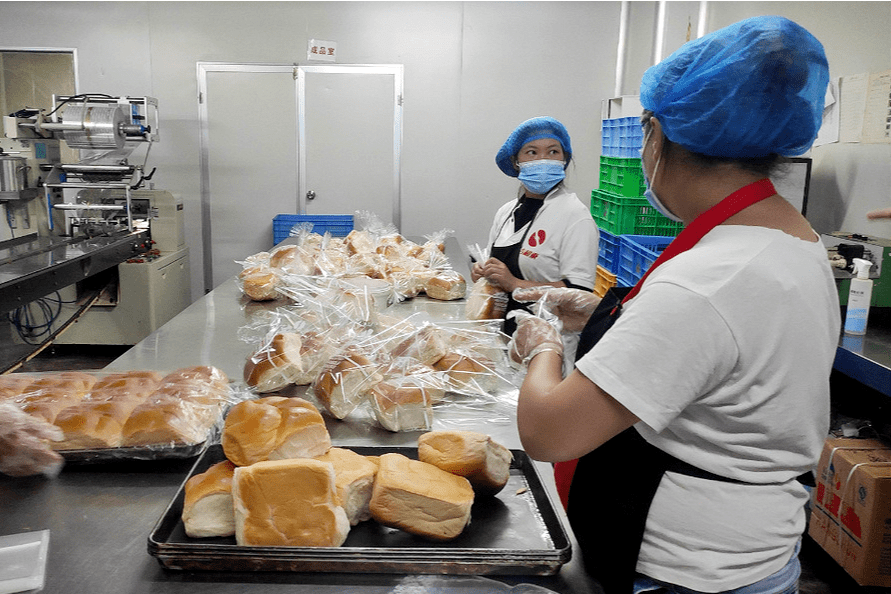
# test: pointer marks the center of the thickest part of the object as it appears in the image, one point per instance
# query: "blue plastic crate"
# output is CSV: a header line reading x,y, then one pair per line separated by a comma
x,y
608,255
636,254
621,137
337,225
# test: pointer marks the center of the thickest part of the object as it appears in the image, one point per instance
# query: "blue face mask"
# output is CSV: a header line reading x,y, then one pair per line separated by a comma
x,y
649,194
540,176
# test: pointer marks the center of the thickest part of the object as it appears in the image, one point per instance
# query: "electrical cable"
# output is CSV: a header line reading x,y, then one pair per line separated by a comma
x,y
41,346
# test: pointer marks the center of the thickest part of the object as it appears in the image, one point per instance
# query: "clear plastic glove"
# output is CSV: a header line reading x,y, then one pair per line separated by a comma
x,y
24,443
533,335
572,307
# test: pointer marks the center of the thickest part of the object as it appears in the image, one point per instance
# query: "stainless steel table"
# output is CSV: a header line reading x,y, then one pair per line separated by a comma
x,y
100,517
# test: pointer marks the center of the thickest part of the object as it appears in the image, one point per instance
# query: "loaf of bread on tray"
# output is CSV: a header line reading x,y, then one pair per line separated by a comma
x,y
273,428
208,509
288,503
475,456
420,498
354,477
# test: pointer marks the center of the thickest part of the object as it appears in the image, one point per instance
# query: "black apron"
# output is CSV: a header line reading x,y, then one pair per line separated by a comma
x,y
612,487
510,256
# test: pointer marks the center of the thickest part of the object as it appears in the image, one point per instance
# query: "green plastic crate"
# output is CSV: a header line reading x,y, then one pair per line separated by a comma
x,y
650,222
629,215
622,176
614,213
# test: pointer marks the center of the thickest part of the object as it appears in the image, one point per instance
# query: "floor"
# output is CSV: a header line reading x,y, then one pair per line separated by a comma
x,y
820,573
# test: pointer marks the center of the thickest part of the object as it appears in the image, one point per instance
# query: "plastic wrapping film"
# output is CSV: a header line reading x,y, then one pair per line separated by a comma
x,y
129,414
374,251
371,366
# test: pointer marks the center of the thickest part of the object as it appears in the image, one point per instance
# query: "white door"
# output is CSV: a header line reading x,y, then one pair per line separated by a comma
x,y
266,142
350,135
249,155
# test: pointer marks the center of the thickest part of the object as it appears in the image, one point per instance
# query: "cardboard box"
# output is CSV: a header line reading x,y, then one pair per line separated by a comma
x,y
851,512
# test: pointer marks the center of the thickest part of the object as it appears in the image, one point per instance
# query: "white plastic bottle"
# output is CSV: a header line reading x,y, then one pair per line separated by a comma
x,y
858,298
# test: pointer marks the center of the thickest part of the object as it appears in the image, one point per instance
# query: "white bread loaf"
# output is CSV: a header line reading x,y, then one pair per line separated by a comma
x,y
354,477
315,351
345,382
475,456
426,344
302,432
276,365
288,503
273,428
208,508
466,372
400,404
261,285
485,302
92,425
420,498
446,285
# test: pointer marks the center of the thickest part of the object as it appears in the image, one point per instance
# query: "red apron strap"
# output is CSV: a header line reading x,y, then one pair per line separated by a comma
x,y
690,236
723,210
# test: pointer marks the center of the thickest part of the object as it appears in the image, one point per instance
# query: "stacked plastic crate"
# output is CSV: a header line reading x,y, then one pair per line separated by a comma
x,y
632,233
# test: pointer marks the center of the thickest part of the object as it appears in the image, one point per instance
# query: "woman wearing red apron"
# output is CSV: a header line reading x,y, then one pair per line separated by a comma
x,y
700,400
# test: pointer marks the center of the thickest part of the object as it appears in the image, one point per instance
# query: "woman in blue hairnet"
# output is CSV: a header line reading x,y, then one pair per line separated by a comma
x,y
546,236
703,400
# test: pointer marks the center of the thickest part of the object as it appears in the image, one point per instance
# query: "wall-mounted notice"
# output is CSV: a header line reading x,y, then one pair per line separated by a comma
x,y
321,51
866,108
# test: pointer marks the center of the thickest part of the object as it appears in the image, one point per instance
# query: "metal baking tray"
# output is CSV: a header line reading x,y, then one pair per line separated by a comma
x,y
517,532
158,452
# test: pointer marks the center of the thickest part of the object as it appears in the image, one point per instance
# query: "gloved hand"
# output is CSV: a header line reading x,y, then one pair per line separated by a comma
x,y
533,335
24,447
572,307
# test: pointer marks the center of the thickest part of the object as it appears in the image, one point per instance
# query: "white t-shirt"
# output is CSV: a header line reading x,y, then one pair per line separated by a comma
x,y
562,243
725,356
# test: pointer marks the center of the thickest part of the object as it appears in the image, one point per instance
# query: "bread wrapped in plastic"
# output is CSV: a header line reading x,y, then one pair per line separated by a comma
x,y
345,382
485,302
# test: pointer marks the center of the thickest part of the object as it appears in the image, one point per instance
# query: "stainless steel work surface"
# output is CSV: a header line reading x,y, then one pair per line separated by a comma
x,y
100,516
32,267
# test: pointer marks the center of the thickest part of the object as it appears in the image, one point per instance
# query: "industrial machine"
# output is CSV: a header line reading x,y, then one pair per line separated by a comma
x,y
81,219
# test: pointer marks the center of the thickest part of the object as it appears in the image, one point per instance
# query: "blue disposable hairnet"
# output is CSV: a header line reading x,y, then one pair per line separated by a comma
x,y
532,129
751,89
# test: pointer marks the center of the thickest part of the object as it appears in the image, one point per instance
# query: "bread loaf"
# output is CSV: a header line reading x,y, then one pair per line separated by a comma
x,y
420,498
345,382
261,285
401,405
273,428
466,372
426,344
276,365
446,286
485,302
208,508
475,456
354,477
288,503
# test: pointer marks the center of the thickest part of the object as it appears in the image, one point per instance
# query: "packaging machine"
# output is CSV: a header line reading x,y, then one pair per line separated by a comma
x,y
81,219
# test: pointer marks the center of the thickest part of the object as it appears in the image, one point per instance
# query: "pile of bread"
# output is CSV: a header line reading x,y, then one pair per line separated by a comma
x,y
126,409
283,484
401,368
409,267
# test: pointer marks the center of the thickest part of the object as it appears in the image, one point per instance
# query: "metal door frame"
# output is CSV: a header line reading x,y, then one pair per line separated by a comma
x,y
203,146
397,71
